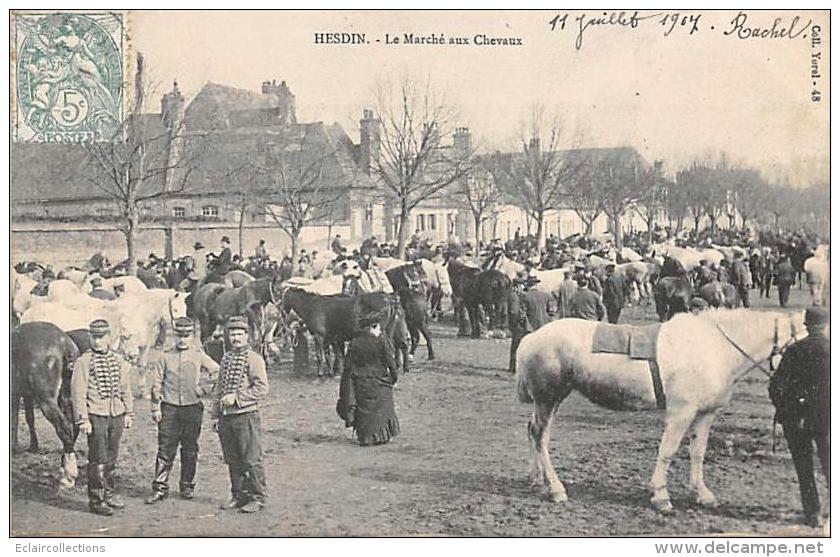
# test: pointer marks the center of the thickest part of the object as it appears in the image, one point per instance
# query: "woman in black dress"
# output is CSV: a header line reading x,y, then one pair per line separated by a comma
x,y
366,395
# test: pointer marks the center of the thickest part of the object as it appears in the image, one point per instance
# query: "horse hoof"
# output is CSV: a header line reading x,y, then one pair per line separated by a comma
x,y
709,502
558,496
662,506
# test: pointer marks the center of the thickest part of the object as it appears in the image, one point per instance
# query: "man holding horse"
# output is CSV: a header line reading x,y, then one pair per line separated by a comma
x,y
801,392
103,406
242,384
178,410
528,310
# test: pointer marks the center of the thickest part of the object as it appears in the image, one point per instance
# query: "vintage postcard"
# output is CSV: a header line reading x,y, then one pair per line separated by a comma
x,y
419,273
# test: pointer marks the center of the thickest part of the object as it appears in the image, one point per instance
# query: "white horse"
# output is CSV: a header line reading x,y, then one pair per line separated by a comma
x,y
699,356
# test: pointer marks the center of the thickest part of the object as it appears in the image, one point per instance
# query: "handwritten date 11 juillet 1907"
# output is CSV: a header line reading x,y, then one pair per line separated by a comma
x,y
739,27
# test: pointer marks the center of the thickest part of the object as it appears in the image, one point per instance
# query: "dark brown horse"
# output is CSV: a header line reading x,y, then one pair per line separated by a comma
x,y
719,294
414,304
333,320
476,293
212,304
42,365
672,295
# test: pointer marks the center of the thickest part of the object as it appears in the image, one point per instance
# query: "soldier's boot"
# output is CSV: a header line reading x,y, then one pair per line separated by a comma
x,y
160,484
96,490
189,461
237,498
111,498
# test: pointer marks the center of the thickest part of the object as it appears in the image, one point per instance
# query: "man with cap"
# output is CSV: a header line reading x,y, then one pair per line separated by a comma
x,y
800,391
528,310
199,263
586,304
177,408
785,277
102,406
225,258
741,279
615,290
98,292
242,384
697,305
260,252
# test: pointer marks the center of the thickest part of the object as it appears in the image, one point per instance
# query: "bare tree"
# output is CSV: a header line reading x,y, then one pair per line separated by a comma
x,y
413,163
479,192
584,197
622,180
545,165
651,200
135,165
300,184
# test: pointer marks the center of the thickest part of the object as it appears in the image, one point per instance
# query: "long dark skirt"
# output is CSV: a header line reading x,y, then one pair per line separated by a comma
x,y
376,420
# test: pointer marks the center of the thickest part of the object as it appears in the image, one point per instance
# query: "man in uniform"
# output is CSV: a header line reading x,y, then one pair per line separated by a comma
x,y
800,391
615,289
98,292
178,410
528,310
742,279
236,417
102,406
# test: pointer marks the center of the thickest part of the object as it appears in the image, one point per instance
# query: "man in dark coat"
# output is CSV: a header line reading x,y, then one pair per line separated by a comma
x,y
98,292
528,310
615,290
225,258
801,392
366,394
586,304
565,293
741,279
785,277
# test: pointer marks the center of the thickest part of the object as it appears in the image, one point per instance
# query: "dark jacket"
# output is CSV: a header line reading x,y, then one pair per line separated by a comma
x,y
535,306
586,304
785,273
565,294
370,362
615,289
800,388
224,261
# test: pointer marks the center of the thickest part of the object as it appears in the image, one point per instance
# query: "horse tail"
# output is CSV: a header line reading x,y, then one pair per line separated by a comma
x,y
522,391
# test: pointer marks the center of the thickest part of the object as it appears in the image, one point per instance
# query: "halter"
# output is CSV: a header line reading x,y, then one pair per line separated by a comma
x,y
775,351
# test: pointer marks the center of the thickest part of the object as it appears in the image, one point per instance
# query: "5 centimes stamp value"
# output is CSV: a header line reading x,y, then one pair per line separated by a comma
x,y
68,76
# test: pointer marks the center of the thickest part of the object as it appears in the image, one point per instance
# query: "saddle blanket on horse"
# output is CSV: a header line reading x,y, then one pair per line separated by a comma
x,y
639,343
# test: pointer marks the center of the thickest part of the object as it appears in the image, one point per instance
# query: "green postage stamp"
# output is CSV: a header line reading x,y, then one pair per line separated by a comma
x,y
68,76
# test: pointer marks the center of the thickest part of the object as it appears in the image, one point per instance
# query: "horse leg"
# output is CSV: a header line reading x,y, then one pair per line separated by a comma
x,y
539,431
677,421
29,409
65,430
13,419
338,362
697,449
320,356
424,329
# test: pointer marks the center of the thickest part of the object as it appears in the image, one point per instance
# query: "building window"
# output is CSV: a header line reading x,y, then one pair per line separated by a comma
x,y
432,222
421,223
369,212
103,212
179,212
210,211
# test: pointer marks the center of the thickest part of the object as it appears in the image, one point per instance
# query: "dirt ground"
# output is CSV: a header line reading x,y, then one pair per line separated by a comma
x,y
459,468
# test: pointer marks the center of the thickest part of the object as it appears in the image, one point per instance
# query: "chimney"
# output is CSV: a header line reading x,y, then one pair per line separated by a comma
x,y
369,135
172,107
284,100
462,140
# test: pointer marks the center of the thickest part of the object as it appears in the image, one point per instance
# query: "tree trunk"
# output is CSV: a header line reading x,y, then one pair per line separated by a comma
x,y
294,238
241,227
402,233
540,230
477,221
616,223
131,243
650,232
697,223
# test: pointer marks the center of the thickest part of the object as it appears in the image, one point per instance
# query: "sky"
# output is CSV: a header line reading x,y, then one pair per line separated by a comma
x,y
680,98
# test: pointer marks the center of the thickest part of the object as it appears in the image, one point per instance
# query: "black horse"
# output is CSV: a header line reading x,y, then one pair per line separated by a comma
x,y
333,320
672,295
476,293
414,305
42,365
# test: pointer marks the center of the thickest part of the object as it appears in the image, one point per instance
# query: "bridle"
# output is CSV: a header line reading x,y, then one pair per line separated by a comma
x,y
776,350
